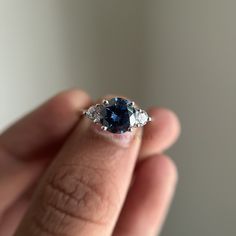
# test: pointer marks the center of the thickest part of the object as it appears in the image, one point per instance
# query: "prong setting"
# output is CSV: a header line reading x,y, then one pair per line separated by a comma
x,y
104,128
95,121
132,103
117,115
105,102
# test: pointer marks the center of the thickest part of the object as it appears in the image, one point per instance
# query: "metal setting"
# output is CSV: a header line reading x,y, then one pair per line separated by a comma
x,y
105,102
117,115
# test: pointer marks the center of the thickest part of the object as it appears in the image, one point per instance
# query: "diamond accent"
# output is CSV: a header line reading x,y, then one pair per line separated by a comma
x,y
94,112
141,117
117,115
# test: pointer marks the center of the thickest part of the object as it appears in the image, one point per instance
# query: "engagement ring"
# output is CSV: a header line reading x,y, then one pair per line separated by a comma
x,y
117,115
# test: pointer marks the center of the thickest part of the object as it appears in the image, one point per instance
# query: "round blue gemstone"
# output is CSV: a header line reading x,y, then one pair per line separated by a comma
x,y
116,116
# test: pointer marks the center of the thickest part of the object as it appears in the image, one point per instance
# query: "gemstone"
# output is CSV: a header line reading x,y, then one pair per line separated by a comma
x,y
94,112
141,117
118,115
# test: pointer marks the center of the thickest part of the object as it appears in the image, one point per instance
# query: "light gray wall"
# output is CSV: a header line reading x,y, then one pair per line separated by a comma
x,y
179,54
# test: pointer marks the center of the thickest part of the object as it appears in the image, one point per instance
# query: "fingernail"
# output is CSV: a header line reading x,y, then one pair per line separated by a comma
x,y
124,139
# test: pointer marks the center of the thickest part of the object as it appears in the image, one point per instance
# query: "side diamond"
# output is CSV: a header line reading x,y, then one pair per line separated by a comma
x,y
94,112
141,117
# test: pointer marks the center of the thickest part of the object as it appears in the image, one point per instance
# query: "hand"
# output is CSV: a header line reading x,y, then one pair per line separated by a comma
x,y
60,176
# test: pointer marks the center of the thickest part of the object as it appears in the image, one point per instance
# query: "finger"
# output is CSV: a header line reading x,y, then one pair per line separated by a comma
x,y
35,135
149,198
158,135
12,217
45,126
15,180
161,133
84,189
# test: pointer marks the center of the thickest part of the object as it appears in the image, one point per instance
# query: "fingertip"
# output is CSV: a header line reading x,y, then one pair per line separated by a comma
x,y
167,168
161,133
70,99
162,167
64,110
166,117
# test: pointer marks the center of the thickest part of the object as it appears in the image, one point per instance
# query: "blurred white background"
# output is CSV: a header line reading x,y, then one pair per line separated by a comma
x,y
179,54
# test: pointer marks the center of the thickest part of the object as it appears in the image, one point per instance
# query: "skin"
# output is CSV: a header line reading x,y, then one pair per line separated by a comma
x,y
60,175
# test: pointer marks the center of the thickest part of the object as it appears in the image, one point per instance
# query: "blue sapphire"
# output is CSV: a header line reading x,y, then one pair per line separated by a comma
x,y
118,115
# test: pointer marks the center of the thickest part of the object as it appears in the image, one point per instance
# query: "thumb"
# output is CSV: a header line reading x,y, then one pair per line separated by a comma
x,y
84,189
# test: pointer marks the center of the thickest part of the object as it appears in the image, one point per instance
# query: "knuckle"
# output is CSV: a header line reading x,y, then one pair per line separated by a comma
x,y
76,195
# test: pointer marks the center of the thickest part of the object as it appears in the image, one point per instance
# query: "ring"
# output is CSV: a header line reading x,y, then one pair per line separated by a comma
x,y
117,115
